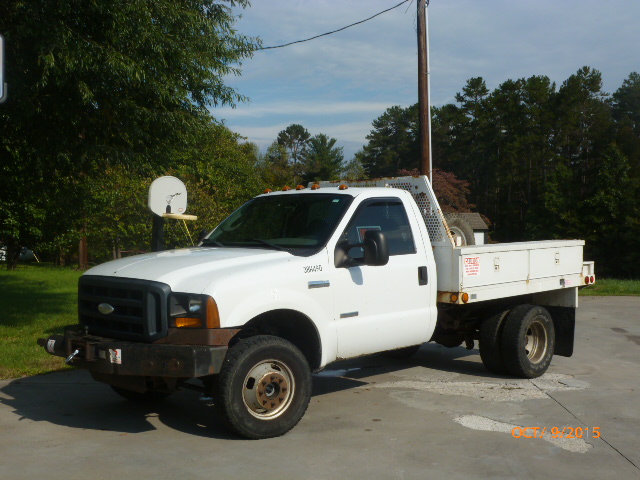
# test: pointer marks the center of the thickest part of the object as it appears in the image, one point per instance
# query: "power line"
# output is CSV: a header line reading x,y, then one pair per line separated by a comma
x,y
335,31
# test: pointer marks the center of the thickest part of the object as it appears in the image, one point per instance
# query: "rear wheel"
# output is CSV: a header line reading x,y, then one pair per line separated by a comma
x,y
528,341
264,386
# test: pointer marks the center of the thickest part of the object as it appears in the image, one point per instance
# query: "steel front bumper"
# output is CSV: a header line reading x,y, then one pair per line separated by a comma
x,y
118,357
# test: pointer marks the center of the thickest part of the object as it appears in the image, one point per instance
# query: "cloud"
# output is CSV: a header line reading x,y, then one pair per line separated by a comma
x,y
340,83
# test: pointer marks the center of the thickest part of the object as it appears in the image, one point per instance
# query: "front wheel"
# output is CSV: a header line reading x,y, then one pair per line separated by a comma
x,y
528,341
264,386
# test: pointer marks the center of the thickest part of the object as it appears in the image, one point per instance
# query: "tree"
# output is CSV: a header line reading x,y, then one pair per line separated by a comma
x,y
322,160
354,170
626,101
218,173
626,111
450,191
392,144
539,161
274,167
294,138
102,84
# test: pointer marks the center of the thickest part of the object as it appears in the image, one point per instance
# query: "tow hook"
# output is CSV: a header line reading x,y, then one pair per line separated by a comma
x,y
72,356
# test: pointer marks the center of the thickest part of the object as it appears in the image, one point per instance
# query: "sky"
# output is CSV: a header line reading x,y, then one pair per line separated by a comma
x,y
338,84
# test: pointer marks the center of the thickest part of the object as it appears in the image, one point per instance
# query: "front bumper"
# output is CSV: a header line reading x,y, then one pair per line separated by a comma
x,y
118,357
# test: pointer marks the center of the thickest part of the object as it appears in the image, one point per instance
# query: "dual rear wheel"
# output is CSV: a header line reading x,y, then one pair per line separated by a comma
x,y
519,342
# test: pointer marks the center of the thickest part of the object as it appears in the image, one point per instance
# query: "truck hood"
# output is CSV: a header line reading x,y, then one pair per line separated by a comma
x,y
189,269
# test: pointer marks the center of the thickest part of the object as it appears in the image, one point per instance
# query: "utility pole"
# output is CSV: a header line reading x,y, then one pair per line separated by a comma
x,y
424,110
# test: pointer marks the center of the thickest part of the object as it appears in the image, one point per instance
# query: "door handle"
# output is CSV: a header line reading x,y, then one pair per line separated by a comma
x,y
423,276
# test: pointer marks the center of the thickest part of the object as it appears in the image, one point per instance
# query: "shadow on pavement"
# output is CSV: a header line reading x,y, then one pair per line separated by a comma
x,y
73,399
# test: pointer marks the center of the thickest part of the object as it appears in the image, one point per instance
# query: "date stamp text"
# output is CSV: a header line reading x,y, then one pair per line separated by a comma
x,y
556,432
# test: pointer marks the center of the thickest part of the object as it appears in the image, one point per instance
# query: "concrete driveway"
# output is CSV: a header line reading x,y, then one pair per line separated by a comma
x,y
437,415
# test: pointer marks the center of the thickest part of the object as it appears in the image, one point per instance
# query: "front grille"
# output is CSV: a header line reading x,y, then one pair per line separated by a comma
x,y
139,307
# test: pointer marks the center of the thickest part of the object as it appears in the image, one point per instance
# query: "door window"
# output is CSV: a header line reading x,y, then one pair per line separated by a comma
x,y
386,215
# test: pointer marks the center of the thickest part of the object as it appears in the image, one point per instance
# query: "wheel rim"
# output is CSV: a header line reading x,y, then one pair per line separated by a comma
x,y
268,389
536,342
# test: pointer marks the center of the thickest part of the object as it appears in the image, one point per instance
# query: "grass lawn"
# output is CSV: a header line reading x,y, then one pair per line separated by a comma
x,y
608,286
38,300
35,301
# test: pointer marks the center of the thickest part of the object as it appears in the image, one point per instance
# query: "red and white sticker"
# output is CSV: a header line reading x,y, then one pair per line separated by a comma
x,y
51,346
471,266
115,356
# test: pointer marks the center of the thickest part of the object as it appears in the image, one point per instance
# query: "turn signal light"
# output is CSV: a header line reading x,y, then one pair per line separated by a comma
x,y
213,315
187,322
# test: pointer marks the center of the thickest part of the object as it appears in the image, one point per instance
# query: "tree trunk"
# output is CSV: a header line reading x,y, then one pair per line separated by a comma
x,y
83,254
13,253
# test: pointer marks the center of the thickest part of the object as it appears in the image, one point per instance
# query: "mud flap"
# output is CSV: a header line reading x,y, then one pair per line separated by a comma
x,y
564,323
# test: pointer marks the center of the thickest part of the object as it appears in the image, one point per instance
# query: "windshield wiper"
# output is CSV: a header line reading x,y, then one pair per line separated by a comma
x,y
269,244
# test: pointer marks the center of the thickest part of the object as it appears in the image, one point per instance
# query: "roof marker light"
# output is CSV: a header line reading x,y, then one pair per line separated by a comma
x,y
300,187
315,186
286,188
343,187
267,190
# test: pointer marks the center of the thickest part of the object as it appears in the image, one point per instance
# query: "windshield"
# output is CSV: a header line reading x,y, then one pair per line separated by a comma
x,y
299,223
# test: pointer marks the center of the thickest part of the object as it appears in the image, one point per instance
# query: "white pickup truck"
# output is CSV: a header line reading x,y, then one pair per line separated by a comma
x,y
296,279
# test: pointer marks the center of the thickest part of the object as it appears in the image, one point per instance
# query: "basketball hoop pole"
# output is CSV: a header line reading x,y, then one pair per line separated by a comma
x,y
157,234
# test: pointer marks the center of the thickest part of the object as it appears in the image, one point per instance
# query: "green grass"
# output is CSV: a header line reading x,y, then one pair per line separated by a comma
x,y
35,301
608,286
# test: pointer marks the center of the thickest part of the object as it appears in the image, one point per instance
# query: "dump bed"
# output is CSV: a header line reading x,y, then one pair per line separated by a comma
x,y
486,272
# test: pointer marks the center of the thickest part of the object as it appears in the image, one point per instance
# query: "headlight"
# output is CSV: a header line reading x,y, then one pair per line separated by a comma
x,y
193,311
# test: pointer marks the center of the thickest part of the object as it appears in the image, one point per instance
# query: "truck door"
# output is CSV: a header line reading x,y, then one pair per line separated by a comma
x,y
379,308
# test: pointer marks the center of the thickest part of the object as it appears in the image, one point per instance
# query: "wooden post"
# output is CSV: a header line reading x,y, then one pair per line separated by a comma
x,y
424,113
83,254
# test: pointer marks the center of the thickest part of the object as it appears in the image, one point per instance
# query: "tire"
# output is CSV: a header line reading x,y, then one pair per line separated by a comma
x,y
528,341
150,396
459,227
490,339
264,387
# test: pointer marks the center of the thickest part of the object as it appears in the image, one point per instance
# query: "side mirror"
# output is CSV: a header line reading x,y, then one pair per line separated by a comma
x,y
376,251
376,248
